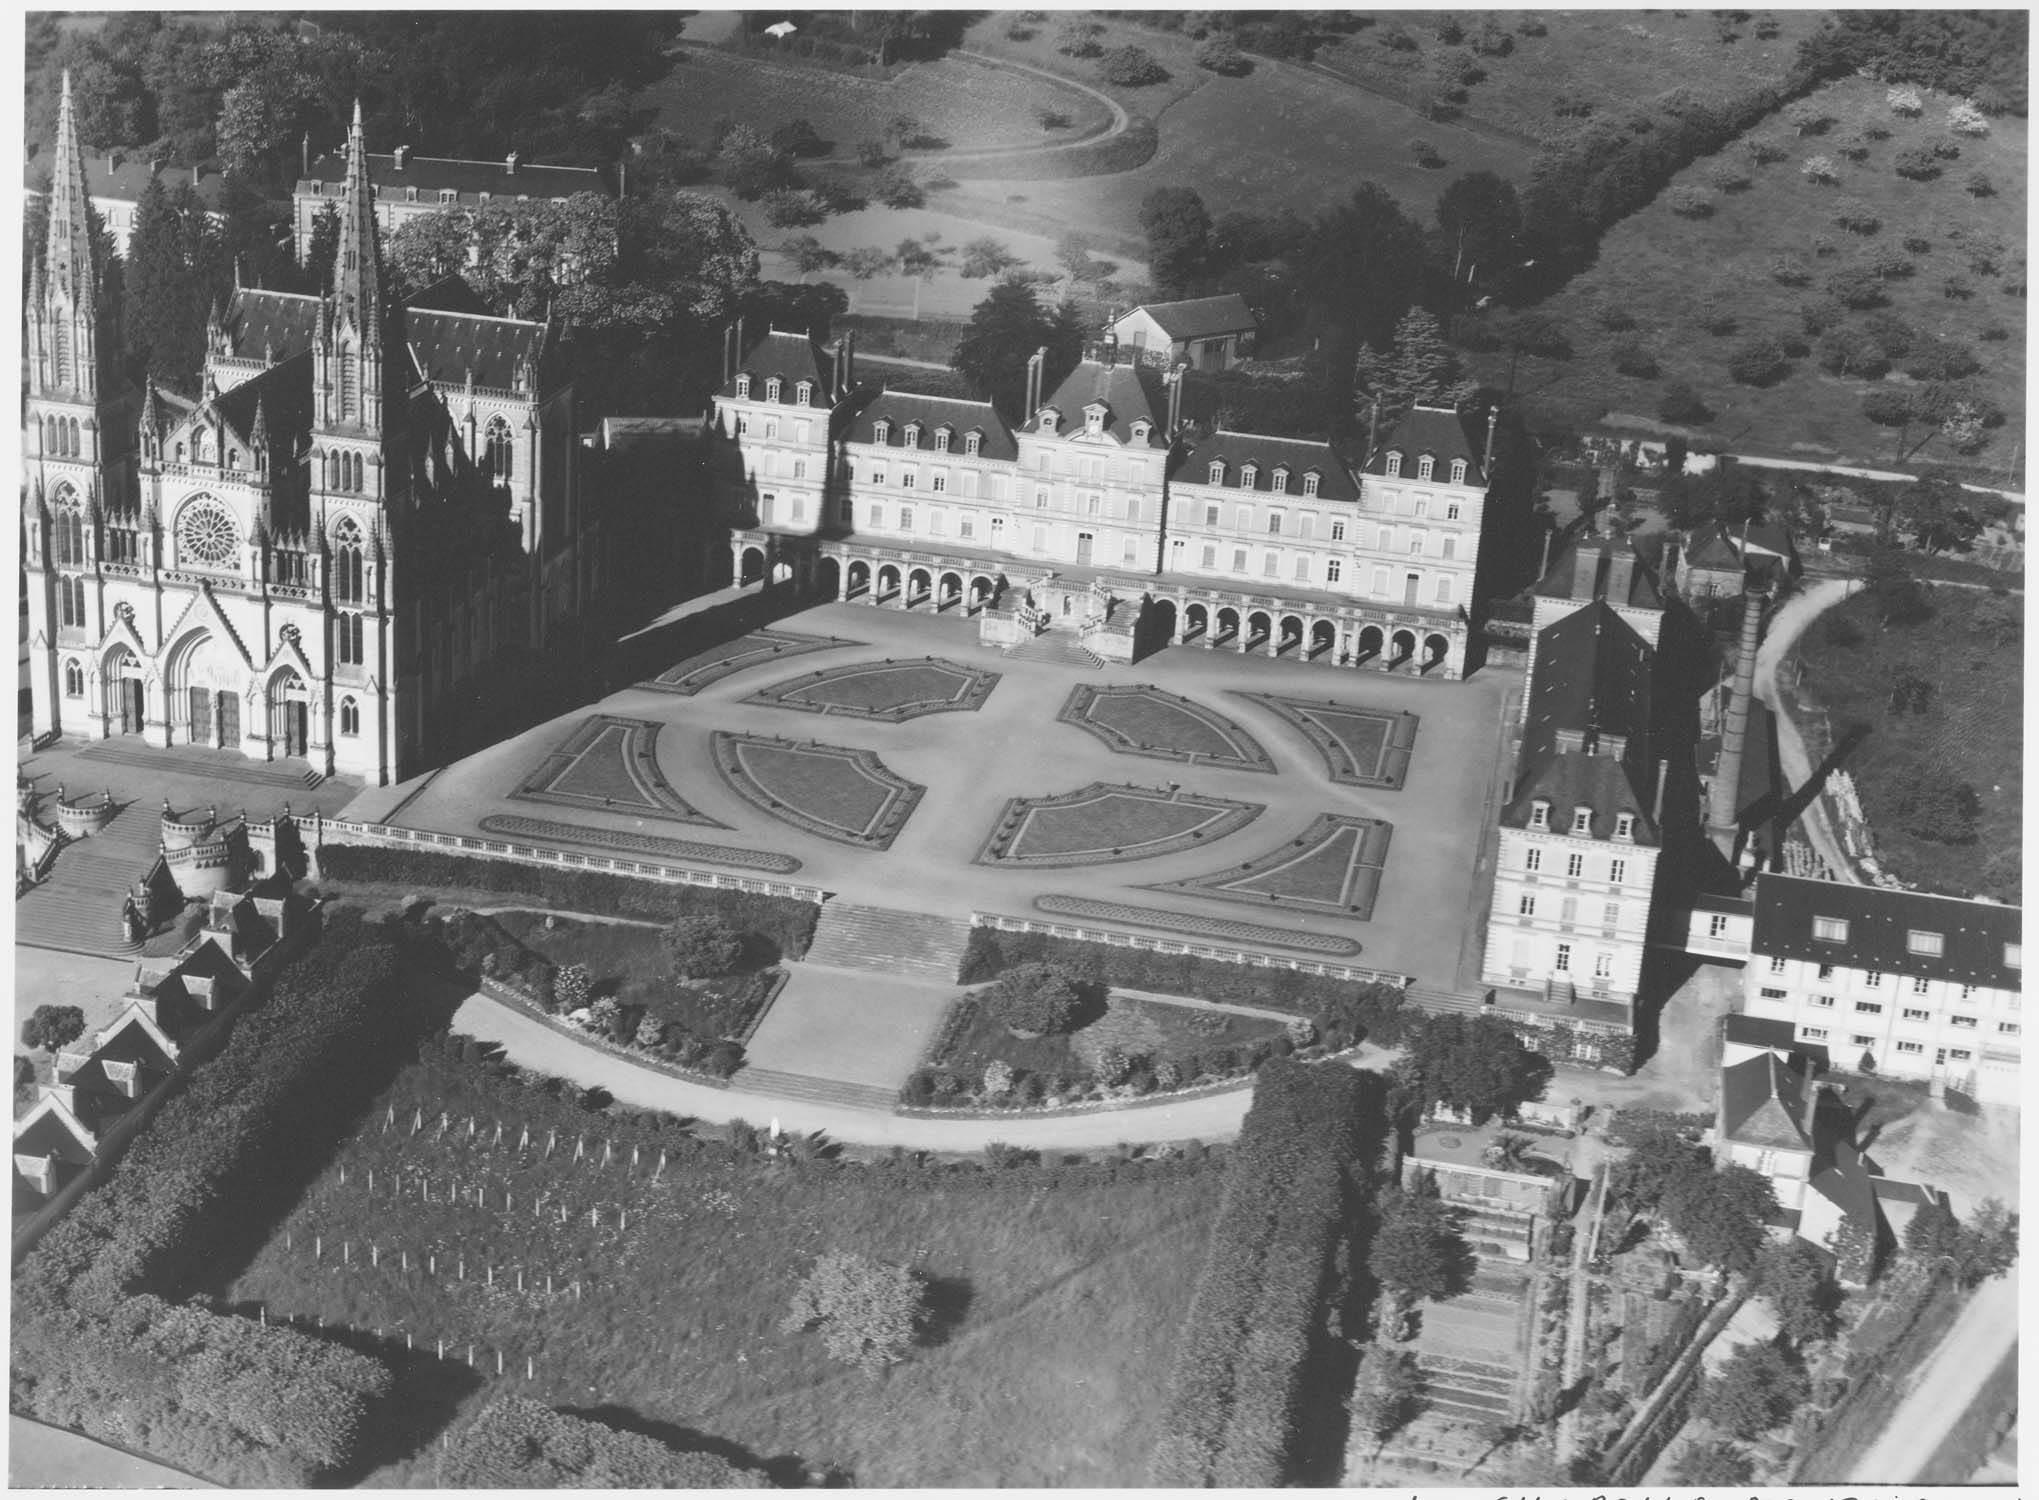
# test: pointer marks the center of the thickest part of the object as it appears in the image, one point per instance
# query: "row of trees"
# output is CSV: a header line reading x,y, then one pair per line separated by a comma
x,y
1242,1360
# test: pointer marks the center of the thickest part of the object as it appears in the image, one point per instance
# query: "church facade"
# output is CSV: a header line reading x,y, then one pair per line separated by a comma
x,y
1102,515
367,502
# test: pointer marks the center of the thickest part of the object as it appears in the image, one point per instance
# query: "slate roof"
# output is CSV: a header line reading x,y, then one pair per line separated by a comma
x,y
447,344
1130,392
793,357
1592,673
1441,432
1719,549
1762,1103
448,294
1844,1181
1759,1031
1200,317
1974,934
128,177
282,322
898,408
286,390
1237,449
1642,592
431,174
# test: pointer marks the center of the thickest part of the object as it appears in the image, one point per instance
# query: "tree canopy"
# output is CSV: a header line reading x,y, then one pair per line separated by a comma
x,y
51,1027
869,1311
1756,1389
1178,230
1418,366
1473,1063
1005,330
1417,1250
518,1444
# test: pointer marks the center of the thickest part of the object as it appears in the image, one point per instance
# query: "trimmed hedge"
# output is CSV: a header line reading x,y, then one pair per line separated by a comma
x,y
96,1347
780,920
1345,1010
1242,1360
517,1444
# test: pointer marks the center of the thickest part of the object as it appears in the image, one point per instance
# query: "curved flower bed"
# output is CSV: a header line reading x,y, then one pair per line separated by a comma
x,y
1360,746
758,647
1163,726
1334,867
892,691
1196,925
1100,824
609,763
830,791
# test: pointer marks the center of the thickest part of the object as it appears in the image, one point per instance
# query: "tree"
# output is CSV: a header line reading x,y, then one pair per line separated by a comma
x,y
1932,804
699,947
571,987
869,1310
1755,1390
166,299
1480,218
1388,1393
1758,361
896,187
1715,1465
1938,515
1893,591
751,164
986,257
1417,1250
1792,1277
1721,1215
1077,37
52,1027
1178,230
1418,367
324,247
1726,495
1363,260
1131,67
1474,1063
1005,330
799,138
1219,53
517,1444
1034,999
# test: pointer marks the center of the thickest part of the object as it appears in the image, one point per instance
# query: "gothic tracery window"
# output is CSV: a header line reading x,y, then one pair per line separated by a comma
x,y
499,450
206,534
67,528
348,573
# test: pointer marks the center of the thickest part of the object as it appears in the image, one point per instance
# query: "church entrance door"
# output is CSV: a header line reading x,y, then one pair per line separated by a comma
x,y
201,715
289,714
294,737
1083,545
228,721
130,705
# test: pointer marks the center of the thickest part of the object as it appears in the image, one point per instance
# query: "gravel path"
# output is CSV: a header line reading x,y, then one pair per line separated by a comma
x,y
1944,1387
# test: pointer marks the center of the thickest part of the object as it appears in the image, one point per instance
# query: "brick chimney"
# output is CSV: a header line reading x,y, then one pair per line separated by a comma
x,y
1812,1107
1487,459
849,359
510,165
400,153
1620,573
1585,568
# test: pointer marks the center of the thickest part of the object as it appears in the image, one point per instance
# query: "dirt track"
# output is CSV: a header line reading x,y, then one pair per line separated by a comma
x,y
1944,1386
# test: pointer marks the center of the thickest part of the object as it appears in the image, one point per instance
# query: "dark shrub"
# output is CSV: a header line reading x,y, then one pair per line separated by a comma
x,y
1034,998
1131,68
1758,362
1681,404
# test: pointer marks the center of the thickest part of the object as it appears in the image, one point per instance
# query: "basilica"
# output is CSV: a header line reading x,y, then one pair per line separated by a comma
x,y
367,502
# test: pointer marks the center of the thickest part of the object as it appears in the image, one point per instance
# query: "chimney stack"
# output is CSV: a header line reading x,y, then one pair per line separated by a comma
x,y
1111,348
401,153
728,354
1487,458
1585,568
1543,568
1035,363
1620,573
1812,1107
1373,428
1722,826
1175,379
1663,771
510,165
850,358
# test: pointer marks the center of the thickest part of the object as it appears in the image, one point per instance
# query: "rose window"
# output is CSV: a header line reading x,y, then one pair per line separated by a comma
x,y
206,535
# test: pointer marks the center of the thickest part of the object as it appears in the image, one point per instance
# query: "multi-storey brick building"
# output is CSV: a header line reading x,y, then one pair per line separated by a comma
x,y
366,503
1101,514
1899,982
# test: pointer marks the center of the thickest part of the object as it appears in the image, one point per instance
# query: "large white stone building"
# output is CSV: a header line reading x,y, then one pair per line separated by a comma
x,y
1896,982
1102,515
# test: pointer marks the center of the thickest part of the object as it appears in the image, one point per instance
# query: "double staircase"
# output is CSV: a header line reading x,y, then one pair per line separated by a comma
x,y
77,908
907,944
1056,648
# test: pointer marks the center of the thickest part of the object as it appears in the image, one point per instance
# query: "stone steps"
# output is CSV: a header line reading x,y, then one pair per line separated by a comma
x,y
1431,998
77,908
1056,650
911,944
755,1080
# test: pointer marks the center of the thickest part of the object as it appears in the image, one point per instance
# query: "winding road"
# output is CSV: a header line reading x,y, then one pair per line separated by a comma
x,y
957,161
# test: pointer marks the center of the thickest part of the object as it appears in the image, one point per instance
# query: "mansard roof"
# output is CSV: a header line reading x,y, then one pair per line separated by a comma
x,y
1976,937
447,344
1592,676
1641,591
1441,432
1129,392
1302,456
432,174
1200,317
118,177
792,357
899,408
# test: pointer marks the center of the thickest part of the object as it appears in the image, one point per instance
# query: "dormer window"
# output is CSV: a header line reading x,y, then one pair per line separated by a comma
x,y
772,388
911,434
1830,929
447,197
1310,482
1539,814
2014,955
1048,421
1426,466
804,393
1394,466
1140,431
1093,418
942,435
1582,820
1927,944
1280,481
1624,825
1218,471
972,443
1458,471
1247,475
410,195
881,431
743,386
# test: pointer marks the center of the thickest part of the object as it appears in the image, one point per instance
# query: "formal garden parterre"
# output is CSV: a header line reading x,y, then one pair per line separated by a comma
x,y
893,691
1145,720
1333,867
706,668
1360,746
1102,824
609,763
832,791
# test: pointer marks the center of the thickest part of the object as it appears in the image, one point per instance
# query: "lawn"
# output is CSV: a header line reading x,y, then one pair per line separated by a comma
x,y
1103,823
625,960
1147,721
1334,866
1971,730
1672,273
1192,1040
841,794
1361,747
885,690
1057,1303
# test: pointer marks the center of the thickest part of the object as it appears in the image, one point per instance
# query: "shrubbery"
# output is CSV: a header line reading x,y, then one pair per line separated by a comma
x,y
1131,68
781,921
1242,1357
1034,999
1344,1010
1220,54
517,1444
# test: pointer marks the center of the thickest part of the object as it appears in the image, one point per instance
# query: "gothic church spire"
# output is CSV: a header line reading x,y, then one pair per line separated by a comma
x,y
357,268
69,257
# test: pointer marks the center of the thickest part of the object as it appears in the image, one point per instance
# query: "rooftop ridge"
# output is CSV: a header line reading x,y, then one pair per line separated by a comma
x,y
453,312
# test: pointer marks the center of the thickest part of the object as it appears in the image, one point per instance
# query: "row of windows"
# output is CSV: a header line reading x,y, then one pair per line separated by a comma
x,y
973,441
1575,865
1871,978
1277,523
803,392
803,432
1603,963
1278,481
1568,910
1909,1049
61,438
1911,1014
1582,821
1426,467
1925,943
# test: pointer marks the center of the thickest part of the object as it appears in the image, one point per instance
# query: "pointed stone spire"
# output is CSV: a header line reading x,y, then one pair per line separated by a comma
x,y
69,255
215,320
357,267
152,409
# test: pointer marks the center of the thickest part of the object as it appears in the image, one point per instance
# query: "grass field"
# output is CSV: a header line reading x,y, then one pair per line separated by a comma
x,y
1670,272
1972,730
1056,1305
